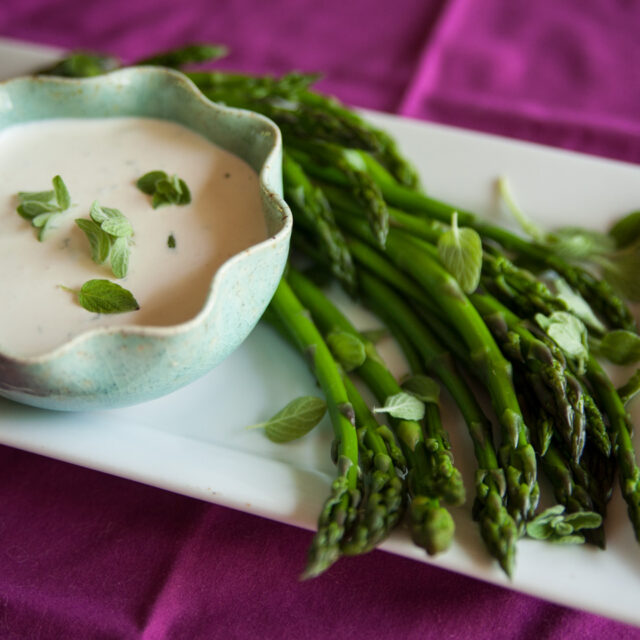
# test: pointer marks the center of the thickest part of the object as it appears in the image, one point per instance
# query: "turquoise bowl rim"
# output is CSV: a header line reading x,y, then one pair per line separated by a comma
x,y
269,190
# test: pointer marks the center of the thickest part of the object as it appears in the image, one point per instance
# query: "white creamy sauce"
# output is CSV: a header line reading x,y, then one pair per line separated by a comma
x,y
101,159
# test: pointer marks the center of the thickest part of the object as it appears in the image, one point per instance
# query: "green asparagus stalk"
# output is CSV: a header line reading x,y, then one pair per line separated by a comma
x,y
383,464
571,489
621,429
598,293
545,369
339,510
497,527
517,455
311,209
382,506
431,525
363,189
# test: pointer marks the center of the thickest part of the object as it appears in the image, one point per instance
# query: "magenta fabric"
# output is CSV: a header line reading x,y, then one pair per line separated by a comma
x,y
85,555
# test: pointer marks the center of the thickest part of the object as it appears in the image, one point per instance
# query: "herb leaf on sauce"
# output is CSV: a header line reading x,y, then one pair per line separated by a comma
x,y
119,257
108,233
43,208
62,193
104,296
99,240
164,189
112,221
171,241
147,184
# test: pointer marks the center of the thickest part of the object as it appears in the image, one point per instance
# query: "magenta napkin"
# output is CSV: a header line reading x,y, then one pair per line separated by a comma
x,y
85,555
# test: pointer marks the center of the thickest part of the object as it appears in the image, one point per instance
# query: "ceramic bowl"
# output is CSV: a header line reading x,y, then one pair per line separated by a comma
x,y
112,367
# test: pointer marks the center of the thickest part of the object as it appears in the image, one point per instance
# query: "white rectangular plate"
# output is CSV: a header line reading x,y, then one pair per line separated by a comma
x,y
195,442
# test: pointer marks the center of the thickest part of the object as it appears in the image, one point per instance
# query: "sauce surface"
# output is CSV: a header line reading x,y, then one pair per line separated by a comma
x,y
101,159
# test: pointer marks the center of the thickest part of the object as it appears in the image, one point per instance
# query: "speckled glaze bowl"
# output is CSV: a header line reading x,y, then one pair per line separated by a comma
x,y
112,367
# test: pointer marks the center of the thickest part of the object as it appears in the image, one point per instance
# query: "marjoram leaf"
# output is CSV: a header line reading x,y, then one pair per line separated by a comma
x,y
460,251
403,406
620,347
62,193
104,296
99,241
295,420
119,257
569,333
147,183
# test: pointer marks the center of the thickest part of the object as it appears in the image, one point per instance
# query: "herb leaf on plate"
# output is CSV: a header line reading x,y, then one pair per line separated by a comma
x,y
295,420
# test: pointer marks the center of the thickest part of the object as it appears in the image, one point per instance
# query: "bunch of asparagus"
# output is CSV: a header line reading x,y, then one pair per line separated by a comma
x,y
501,329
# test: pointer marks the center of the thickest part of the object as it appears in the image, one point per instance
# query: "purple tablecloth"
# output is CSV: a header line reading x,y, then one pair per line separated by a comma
x,y
85,555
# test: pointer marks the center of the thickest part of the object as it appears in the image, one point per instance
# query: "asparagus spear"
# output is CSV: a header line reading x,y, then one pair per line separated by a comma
x,y
571,489
515,286
598,293
554,385
431,524
340,507
497,527
382,505
517,455
311,209
364,190
383,464
621,429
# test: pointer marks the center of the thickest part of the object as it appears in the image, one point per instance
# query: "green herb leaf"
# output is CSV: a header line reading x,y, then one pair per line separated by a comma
x,y
569,333
403,406
549,514
576,243
630,388
112,221
620,347
583,520
460,251
185,193
164,189
104,296
62,193
626,231
119,257
295,420
44,223
38,206
32,208
538,530
37,196
171,241
147,183
556,526
348,349
575,302
567,539
99,241
423,387
158,200
621,271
